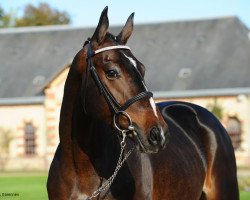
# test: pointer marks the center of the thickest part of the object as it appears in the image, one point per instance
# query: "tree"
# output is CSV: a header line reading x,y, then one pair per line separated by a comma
x,y
5,19
41,15
216,109
5,140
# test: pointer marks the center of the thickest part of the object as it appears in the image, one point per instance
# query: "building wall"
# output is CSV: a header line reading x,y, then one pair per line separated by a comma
x,y
13,119
45,118
53,101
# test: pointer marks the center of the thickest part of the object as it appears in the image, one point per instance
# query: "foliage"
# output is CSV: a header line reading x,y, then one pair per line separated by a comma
x,y
244,183
5,18
5,139
216,109
244,186
41,15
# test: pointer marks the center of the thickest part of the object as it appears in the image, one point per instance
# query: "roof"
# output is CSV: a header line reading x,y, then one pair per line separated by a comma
x,y
183,55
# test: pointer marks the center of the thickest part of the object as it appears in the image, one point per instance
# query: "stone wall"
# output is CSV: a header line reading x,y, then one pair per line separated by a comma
x,y
14,118
45,118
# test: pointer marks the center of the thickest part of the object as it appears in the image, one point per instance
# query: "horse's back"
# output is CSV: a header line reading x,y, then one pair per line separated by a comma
x,y
199,160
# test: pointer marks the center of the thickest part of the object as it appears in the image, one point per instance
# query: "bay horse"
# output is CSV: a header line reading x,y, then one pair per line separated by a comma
x,y
116,143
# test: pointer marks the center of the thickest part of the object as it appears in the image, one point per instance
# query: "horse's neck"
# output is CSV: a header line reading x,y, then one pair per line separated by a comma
x,y
80,134
95,150
90,147
94,142
142,172
71,90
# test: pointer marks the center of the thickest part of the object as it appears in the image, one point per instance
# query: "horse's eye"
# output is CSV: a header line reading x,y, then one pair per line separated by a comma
x,y
112,74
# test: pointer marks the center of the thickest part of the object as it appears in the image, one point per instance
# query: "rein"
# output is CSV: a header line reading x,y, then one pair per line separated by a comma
x,y
114,106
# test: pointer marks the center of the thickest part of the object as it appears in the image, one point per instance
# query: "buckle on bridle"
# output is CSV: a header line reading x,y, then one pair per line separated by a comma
x,y
116,123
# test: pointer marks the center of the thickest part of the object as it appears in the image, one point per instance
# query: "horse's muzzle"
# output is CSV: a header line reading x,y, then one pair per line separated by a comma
x,y
156,140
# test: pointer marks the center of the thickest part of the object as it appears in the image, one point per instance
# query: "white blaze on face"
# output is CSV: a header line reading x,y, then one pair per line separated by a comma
x,y
151,100
133,62
152,103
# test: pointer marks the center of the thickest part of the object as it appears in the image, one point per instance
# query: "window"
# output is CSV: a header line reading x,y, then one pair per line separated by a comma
x,y
29,137
233,127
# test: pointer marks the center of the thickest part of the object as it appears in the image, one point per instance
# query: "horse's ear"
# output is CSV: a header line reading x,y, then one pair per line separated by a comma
x,y
127,30
102,26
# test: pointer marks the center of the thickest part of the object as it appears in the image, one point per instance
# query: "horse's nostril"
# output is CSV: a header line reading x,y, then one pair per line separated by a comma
x,y
154,135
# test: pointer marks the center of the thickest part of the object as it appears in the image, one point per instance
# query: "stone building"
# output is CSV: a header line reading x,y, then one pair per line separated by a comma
x,y
206,62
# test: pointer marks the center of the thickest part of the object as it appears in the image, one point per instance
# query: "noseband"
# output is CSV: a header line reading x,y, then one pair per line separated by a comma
x,y
114,106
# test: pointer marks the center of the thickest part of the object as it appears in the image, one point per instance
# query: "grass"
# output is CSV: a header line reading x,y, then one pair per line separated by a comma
x,y
26,187
33,187
244,195
244,186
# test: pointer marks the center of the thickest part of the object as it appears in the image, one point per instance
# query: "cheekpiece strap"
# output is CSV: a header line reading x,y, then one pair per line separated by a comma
x,y
113,104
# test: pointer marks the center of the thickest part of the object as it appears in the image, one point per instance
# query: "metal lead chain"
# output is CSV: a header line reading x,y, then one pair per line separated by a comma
x,y
106,185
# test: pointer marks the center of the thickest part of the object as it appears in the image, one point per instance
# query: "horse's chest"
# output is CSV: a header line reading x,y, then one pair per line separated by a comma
x,y
142,173
178,174
77,194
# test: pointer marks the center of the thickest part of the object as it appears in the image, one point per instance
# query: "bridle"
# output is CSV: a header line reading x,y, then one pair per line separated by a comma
x,y
114,106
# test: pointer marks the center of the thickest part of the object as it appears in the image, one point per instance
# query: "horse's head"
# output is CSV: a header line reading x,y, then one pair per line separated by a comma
x,y
114,90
